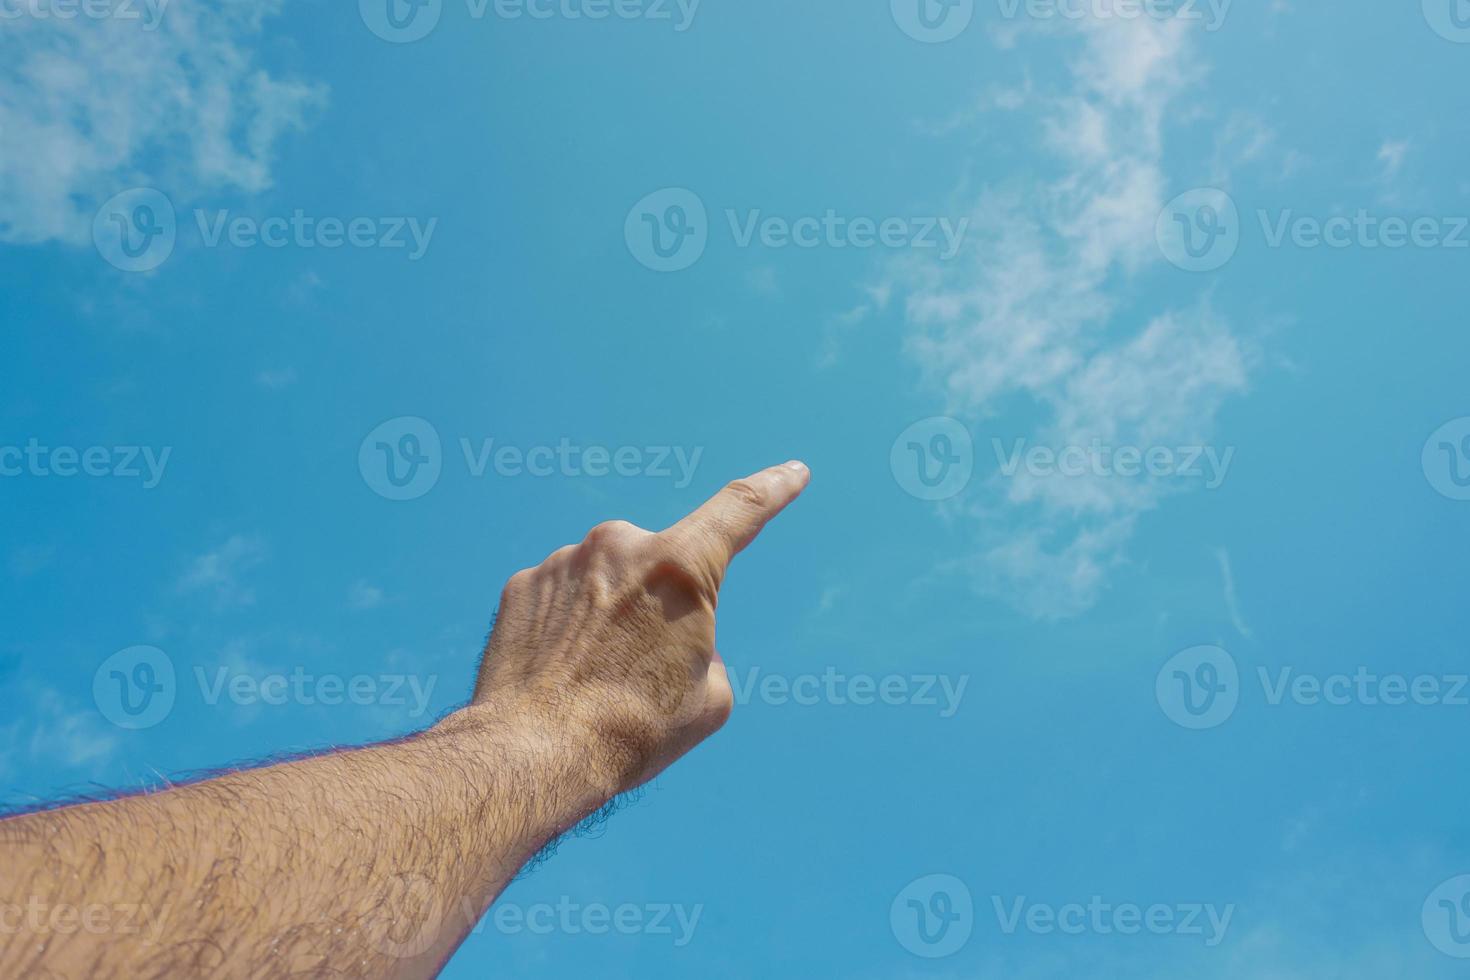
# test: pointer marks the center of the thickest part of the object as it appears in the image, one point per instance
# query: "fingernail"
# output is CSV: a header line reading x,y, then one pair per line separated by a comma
x,y
797,465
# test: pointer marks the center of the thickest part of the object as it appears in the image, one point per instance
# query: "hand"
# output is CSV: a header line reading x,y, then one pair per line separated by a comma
x,y
613,640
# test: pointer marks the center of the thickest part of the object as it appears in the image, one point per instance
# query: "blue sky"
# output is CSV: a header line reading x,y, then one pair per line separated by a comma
x,y
1166,307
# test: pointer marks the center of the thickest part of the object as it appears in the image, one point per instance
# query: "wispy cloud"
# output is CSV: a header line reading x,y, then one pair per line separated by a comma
x,y
1232,603
218,572
276,378
763,281
1391,158
364,596
55,732
89,107
1034,317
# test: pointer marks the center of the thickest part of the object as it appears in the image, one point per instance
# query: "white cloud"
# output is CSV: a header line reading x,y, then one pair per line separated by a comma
x,y
89,107
764,281
1391,157
55,733
364,596
1034,312
1232,601
276,378
218,572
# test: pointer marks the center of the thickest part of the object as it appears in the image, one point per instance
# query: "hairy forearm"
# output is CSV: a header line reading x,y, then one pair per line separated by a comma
x,y
370,862
377,862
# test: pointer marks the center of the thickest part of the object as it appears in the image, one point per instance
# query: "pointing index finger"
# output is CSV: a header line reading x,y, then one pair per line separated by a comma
x,y
727,522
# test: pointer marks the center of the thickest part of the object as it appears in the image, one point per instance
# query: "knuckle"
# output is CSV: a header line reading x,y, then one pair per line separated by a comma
x,y
746,493
517,585
560,554
719,703
681,565
612,534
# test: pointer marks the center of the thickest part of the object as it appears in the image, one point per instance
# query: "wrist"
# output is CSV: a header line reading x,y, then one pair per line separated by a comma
x,y
521,753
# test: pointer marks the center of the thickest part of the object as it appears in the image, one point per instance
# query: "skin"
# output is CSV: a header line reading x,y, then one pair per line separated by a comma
x,y
377,862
